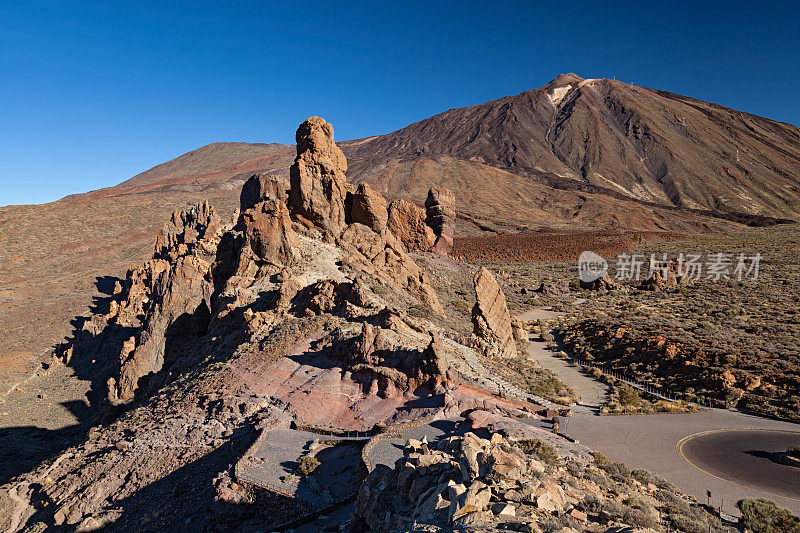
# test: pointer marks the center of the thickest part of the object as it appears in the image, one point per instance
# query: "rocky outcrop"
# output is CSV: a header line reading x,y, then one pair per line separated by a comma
x,y
369,208
185,230
664,276
380,353
602,284
407,223
440,209
261,187
317,178
268,232
181,295
490,317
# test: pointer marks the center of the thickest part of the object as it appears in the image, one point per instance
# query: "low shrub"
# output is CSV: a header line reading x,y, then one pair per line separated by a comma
x,y
764,516
308,465
543,451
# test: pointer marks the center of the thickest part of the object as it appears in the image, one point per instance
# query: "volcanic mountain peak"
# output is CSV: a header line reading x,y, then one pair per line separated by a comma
x,y
607,136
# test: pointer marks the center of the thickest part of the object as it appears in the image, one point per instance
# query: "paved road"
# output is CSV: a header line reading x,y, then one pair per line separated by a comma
x,y
278,456
652,442
744,457
590,391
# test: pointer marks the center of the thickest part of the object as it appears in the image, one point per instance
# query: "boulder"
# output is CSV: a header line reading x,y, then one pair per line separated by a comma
x,y
549,497
369,208
602,284
440,215
490,317
317,179
407,223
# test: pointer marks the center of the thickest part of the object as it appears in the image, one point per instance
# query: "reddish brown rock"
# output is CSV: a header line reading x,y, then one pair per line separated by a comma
x,y
407,223
181,290
369,208
490,317
260,188
185,229
664,276
379,353
440,207
268,232
602,284
317,178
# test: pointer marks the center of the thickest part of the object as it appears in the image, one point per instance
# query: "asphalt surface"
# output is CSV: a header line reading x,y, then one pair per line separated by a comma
x,y
748,458
732,464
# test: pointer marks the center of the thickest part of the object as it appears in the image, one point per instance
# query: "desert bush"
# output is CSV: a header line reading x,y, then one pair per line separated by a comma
x,y
308,465
642,476
639,517
543,451
764,516
628,395
379,289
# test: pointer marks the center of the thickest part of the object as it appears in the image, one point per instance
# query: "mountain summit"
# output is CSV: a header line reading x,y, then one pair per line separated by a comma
x,y
604,135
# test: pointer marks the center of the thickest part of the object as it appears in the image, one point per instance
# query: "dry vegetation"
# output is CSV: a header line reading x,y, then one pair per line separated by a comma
x,y
732,342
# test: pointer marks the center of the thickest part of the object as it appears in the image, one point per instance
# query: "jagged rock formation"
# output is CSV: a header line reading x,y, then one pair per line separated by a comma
x,y
380,356
185,229
440,207
407,223
169,291
490,317
664,276
317,177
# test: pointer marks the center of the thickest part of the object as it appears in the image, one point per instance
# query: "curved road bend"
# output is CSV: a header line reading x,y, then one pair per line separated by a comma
x,y
731,464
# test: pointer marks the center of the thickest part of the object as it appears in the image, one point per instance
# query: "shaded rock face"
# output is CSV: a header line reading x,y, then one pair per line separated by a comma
x,y
185,229
369,208
181,296
378,353
260,188
490,317
167,301
268,232
602,284
407,223
317,178
440,208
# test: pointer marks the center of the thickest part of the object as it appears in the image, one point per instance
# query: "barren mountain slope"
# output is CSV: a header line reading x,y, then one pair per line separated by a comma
x,y
640,143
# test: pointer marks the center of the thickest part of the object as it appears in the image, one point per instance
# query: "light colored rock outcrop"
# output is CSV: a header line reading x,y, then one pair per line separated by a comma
x,y
490,317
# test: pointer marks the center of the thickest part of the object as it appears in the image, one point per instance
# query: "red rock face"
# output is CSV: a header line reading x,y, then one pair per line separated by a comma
x,y
317,178
490,317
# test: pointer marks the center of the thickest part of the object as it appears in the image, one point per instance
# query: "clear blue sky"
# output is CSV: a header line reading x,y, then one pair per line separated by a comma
x,y
94,92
